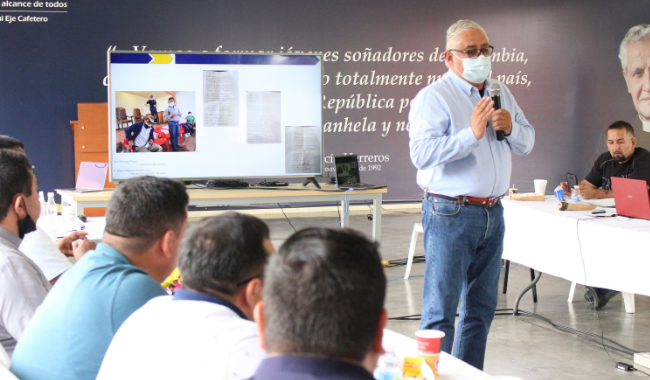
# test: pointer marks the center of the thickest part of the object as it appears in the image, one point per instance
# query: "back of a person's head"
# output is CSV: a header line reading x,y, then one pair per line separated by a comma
x,y
7,142
222,252
144,208
324,295
15,178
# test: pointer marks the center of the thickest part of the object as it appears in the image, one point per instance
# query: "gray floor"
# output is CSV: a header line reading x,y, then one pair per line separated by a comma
x,y
518,346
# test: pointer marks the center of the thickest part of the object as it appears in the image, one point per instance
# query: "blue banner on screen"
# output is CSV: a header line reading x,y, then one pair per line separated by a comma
x,y
215,115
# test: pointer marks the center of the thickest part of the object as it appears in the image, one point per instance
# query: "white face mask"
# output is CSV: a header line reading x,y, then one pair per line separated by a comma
x,y
476,70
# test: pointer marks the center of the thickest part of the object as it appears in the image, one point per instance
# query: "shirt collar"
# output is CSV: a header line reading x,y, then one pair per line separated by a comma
x,y
111,252
645,125
188,295
465,86
11,238
275,366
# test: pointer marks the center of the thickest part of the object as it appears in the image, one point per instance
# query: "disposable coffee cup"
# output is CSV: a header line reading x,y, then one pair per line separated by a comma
x,y
429,342
540,186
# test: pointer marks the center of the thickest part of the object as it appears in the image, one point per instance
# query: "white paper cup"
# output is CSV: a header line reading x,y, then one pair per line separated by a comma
x,y
540,186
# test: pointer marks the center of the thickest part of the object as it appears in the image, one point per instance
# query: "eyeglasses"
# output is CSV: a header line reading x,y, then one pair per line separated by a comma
x,y
474,53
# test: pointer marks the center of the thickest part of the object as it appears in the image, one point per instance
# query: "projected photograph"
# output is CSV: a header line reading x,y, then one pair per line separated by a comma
x,y
143,125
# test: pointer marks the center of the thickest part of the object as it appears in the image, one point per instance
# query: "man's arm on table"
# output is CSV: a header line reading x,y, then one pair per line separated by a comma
x,y
429,119
588,191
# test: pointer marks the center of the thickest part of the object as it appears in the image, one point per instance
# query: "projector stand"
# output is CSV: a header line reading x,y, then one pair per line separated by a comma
x,y
311,180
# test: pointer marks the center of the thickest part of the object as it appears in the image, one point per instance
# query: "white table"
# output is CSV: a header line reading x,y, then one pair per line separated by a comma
x,y
250,196
450,367
609,252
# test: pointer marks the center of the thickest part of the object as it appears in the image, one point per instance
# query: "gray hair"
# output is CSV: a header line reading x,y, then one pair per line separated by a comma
x,y
636,33
462,26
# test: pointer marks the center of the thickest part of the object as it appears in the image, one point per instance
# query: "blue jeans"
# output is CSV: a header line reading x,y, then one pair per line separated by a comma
x,y
463,246
174,131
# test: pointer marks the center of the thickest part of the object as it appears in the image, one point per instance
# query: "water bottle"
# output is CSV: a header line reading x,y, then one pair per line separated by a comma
x,y
389,367
51,207
41,200
576,196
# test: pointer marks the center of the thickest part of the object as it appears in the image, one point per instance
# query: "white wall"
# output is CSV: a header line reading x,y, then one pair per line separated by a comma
x,y
186,101
130,101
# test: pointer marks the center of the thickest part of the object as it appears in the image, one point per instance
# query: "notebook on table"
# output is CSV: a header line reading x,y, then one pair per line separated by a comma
x,y
631,197
347,174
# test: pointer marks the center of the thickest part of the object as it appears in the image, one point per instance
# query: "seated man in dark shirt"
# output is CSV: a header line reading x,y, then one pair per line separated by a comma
x,y
322,314
623,159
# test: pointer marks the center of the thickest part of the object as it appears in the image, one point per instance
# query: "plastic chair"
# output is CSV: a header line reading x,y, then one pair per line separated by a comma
x,y
417,229
126,144
628,299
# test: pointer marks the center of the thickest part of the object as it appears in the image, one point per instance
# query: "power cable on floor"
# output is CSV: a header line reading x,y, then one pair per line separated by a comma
x,y
586,335
285,215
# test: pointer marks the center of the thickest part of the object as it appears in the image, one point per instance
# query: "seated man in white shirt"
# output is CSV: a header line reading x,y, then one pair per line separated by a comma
x,y
204,331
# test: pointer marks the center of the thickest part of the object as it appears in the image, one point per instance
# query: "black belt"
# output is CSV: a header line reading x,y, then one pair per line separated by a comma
x,y
483,202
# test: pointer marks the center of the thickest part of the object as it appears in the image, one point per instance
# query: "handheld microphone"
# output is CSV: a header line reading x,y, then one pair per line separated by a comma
x,y
495,91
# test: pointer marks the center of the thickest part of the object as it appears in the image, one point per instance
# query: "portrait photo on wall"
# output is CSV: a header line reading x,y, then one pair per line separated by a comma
x,y
155,121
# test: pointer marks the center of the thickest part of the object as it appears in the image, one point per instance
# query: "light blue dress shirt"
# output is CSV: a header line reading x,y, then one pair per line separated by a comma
x,y
449,159
70,332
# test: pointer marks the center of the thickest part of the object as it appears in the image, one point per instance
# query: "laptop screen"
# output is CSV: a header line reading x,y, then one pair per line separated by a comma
x,y
92,175
347,170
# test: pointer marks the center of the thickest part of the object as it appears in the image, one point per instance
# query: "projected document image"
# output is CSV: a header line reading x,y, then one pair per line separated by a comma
x,y
221,98
263,117
302,149
155,121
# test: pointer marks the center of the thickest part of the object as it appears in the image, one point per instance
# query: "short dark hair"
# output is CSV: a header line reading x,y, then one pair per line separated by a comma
x,y
7,142
171,98
324,294
15,178
144,208
622,125
221,252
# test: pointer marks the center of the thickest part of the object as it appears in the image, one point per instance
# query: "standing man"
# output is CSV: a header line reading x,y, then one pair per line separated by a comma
x,y
464,170
173,115
151,103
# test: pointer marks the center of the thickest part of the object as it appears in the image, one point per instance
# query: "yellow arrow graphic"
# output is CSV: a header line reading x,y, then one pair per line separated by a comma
x,y
162,58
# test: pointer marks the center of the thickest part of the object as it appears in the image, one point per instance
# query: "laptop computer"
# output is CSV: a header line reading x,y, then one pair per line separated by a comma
x,y
92,177
347,174
631,196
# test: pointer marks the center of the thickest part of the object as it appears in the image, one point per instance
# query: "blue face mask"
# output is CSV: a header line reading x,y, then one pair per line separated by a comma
x,y
476,70
171,104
